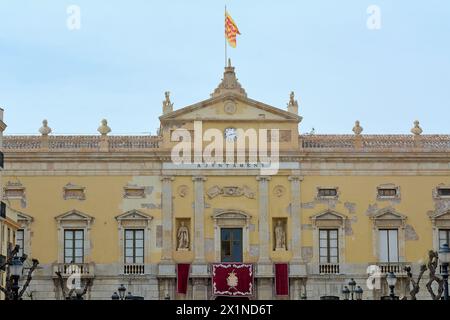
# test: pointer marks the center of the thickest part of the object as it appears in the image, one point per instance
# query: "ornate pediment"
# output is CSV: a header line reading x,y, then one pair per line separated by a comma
x,y
388,217
440,219
134,215
74,215
388,214
231,214
328,218
21,216
230,107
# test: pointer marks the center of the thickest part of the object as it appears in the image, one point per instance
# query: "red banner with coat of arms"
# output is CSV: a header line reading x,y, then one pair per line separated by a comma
x,y
232,279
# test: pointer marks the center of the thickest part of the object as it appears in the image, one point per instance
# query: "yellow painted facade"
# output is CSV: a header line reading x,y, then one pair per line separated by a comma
x,y
104,184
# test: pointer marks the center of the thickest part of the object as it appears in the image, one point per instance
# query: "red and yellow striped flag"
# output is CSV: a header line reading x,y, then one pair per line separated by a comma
x,y
231,30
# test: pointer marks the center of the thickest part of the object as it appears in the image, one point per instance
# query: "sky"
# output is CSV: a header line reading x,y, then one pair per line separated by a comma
x,y
126,54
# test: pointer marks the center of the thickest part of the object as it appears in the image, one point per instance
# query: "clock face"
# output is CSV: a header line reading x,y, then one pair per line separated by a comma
x,y
230,134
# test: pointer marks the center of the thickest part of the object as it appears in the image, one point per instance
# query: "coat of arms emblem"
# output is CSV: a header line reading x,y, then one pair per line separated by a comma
x,y
232,280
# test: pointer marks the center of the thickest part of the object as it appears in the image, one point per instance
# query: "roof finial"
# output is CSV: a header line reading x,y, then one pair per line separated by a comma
x,y
293,104
45,130
167,104
229,62
417,130
357,129
104,129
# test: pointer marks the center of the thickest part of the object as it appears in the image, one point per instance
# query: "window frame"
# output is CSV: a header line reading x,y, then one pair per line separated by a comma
x,y
328,257
22,240
134,247
74,247
447,236
388,232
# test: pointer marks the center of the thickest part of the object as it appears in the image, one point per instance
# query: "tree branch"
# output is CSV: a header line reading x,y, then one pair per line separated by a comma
x,y
29,277
61,283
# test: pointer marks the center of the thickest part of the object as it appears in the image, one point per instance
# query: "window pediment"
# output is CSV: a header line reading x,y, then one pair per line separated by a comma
x,y
231,217
440,219
74,216
328,218
134,215
388,217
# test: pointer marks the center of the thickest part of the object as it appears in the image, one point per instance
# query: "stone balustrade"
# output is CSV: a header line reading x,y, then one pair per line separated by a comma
x,y
308,143
375,143
80,143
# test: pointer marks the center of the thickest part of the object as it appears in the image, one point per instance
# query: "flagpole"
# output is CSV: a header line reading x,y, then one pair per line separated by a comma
x,y
225,37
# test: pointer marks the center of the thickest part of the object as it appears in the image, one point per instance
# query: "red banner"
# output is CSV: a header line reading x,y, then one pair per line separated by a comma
x,y
281,279
182,277
232,279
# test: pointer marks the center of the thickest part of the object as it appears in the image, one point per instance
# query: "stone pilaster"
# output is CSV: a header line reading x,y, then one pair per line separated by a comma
x,y
199,219
167,218
264,232
296,217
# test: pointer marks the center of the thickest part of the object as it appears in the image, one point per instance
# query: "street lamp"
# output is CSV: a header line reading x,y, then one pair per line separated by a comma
x,y
346,292
353,290
122,296
352,284
16,268
359,292
122,291
444,258
391,280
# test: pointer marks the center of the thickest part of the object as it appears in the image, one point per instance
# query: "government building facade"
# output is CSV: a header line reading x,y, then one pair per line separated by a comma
x,y
122,212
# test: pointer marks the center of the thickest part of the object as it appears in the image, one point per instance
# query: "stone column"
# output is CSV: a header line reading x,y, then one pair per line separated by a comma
x,y
199,219
263,224
167,217
296,218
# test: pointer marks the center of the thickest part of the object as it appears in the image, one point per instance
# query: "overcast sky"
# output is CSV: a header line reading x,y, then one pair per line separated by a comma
x,y
127,53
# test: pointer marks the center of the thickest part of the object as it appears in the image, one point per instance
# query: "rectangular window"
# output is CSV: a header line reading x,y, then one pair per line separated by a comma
x,y
444,192
73,246
387,193
328,246
444,237
388,245
231,244
323,193
20,241
134,246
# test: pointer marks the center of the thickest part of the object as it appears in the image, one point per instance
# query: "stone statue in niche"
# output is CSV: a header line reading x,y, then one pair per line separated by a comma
x,y
183,237
280,236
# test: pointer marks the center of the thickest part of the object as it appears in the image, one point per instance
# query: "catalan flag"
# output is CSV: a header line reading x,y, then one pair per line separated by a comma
x,y
231,30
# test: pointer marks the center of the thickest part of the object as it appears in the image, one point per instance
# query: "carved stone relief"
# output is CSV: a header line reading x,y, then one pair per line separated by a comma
x,y
71,191
230,191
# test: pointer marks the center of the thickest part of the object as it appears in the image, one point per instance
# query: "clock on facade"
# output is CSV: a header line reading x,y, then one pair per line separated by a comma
x,y
230,134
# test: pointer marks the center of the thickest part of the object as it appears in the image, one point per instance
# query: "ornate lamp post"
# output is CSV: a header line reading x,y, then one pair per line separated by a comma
x,y
353,291
122,296
391,280
359,292
16,268
444,258
346,292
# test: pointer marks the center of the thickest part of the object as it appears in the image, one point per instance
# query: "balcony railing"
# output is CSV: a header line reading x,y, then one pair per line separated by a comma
x,y
67,269
329,268
134,269
396,267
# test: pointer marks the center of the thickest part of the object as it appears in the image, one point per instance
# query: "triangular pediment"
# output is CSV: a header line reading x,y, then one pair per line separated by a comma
x,y
231,107
329,215
21,216
440,215
74,215
134,215
388,214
